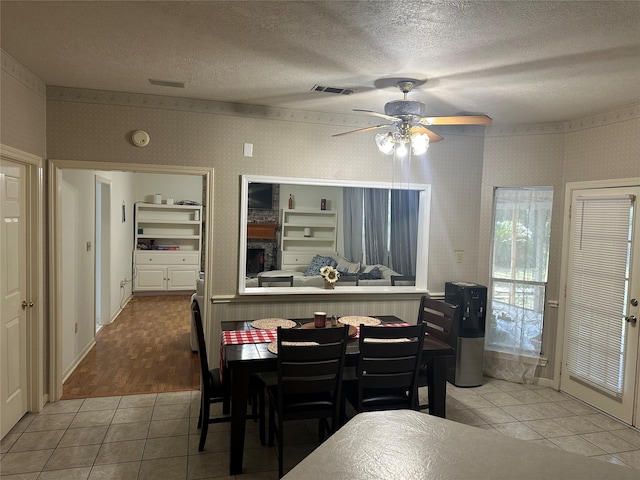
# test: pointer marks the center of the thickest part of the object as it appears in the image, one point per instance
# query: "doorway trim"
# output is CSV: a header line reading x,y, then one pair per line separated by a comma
x,y
101,294
568,195
36,395
55,168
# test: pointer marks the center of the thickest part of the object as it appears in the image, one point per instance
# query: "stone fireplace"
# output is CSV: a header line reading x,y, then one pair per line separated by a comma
x,y
255,261
262,237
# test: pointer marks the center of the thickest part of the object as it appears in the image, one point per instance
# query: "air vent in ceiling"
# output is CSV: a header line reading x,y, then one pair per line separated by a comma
x,y
336,90
166,83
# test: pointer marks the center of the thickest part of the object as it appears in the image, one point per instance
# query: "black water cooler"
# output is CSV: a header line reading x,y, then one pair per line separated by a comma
x,y
466,368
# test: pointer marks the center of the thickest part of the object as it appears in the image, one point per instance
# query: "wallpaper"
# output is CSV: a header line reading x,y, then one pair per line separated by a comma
x,y
99,132
463,170
22,116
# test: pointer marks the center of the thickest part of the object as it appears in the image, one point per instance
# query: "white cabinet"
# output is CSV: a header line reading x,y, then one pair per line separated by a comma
x,y
168,241
306,233
167,278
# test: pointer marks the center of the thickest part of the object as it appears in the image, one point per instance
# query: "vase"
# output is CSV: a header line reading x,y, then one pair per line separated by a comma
x,y
328,285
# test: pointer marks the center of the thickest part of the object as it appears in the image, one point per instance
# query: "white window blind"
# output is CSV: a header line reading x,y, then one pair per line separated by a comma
x,y
599,270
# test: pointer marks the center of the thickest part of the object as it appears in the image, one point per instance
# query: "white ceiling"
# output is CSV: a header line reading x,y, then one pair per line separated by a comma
x,y
518,62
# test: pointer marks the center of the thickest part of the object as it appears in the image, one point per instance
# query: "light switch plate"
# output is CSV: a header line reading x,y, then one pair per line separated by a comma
x,y
248,149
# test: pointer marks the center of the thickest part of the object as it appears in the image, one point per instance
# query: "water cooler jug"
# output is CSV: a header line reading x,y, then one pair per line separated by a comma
x,y
468,330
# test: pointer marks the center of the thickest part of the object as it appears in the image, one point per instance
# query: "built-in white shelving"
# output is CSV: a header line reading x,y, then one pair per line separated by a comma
x,y
168,241
306,233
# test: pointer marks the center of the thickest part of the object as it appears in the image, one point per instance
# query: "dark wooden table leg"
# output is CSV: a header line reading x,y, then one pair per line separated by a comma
x,y
437,378
226,387
239,388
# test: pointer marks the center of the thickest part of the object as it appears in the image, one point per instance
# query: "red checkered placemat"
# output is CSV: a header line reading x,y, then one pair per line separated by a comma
x,y
357,335
237,337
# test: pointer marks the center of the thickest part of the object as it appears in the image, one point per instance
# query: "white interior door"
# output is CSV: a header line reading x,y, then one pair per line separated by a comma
x,y
13,289
600,352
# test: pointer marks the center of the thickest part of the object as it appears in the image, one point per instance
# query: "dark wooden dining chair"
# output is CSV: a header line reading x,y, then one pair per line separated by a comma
x,y
439,319
309,381
403,280
212,389
280,281
387,369
349,279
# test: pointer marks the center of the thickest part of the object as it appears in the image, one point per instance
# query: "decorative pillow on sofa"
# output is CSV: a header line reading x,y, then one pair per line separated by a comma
x,y
317,263
373,273
345,266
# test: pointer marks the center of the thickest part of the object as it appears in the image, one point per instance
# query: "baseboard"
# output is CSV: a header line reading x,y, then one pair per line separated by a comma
x,y
122,306
545,382
43,402
163,293
77,360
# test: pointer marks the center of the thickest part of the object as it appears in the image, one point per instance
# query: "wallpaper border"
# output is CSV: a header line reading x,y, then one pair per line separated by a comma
x,y
622,114
20,73
105,97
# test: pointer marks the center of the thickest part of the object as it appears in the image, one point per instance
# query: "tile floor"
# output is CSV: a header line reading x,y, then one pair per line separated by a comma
x,y
155,436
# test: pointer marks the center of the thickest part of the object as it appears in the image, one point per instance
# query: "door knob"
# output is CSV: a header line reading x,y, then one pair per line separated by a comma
x,y
634,302
632,319
26,304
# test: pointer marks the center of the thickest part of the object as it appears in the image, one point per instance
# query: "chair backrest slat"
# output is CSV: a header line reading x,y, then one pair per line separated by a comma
x,y
206,382
202,346
406,280
309,369
389,360
282,281
439,318
394,381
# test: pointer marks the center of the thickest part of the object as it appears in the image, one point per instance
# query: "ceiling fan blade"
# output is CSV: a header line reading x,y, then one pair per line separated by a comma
x,y
456,120
433,137
361,130
381,115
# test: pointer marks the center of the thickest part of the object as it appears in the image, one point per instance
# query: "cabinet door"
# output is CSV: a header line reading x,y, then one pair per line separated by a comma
x,y
150,278
182,278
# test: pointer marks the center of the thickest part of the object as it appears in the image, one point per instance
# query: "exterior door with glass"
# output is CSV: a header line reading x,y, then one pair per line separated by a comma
x,y
600,351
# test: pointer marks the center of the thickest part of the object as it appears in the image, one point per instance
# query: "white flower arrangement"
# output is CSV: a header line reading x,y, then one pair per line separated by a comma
x,y
329,274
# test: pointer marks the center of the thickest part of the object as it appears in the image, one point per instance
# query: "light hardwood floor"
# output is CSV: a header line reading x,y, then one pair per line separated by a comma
x,y
145,350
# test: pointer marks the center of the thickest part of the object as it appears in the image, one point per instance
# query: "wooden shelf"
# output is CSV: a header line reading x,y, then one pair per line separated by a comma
x,y
178,226
306,233
262,230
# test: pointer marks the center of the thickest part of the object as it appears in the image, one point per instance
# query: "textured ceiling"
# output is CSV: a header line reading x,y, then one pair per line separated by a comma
x,y
518,62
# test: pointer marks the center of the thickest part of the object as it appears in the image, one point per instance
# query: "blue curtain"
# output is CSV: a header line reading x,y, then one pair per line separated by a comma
x,y
404,230
376,221
352,223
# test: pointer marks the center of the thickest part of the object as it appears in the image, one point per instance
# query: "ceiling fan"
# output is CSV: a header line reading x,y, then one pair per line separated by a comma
x,y
408,124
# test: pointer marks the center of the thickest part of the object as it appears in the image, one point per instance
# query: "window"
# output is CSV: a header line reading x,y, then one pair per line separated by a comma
x,y
521,230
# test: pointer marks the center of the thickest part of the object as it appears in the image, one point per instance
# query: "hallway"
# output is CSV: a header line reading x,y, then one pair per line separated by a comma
x,y
145,350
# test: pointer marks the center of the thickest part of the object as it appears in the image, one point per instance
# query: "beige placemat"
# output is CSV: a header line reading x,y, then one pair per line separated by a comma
x,y
273,346
357,321
273,323
386,340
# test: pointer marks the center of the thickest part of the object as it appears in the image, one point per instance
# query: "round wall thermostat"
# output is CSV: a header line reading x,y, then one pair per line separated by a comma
x,y
140,138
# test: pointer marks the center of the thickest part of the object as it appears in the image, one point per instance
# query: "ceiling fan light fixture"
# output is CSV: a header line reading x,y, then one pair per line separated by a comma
x,y
388,142
385,142
419,143
401,148
407,119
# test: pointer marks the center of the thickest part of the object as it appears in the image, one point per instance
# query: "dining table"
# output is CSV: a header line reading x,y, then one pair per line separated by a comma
x,y
249,354
404,444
